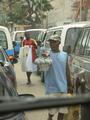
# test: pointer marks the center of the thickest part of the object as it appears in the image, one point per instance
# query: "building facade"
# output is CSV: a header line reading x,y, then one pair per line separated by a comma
x,y
81,10
61,12
68,11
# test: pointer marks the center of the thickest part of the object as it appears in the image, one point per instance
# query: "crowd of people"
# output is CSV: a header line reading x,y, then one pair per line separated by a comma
x,y
58,78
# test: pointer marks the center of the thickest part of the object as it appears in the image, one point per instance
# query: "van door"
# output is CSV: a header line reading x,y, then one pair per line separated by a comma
x,y
82,58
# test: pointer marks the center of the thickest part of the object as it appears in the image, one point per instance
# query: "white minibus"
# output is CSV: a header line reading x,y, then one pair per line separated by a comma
x,y
68,33
16,36
6,42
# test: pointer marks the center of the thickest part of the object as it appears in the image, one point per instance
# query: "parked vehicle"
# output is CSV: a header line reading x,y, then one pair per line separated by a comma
x,y
34,34
81,61
81,65
17,37
7,90
68,33
6,42
7,66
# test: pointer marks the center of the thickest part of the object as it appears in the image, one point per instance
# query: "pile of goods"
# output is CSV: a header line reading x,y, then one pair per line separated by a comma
x,y
43,63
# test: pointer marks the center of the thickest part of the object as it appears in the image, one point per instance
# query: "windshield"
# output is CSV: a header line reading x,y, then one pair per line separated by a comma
x,y
38,70
51,32
48,34
18,35
6,88
34,34
83,43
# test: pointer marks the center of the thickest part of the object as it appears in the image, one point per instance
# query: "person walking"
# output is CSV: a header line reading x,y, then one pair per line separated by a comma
x,y
57,77
31,43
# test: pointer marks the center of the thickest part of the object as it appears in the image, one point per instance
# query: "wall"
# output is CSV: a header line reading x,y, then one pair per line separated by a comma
x,y
60,13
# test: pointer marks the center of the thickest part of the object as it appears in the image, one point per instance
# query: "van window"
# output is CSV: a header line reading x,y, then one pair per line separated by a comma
x,y
58,32
83,44
34,34
3,40
71,36
49,34
41,36
18,35
87,45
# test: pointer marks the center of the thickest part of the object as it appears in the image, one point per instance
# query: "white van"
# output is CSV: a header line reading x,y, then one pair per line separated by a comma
x,y
16,37
6,42
33,34
81,60
17,34
68,33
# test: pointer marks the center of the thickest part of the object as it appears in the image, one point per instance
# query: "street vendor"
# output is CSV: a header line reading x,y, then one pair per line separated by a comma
x,y
31,43
57,77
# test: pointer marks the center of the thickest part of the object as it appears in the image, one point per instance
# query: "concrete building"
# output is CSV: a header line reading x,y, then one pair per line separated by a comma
x,y
81,10
61,12
68,11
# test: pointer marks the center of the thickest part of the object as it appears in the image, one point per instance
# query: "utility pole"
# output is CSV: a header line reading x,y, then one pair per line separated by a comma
x,y
81,3
83,10
41,13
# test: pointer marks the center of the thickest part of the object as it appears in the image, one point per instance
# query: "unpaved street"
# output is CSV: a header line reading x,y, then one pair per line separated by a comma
x,y
36,88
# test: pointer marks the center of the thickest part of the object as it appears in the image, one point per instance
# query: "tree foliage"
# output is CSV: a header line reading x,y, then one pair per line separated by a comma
x,y
25,11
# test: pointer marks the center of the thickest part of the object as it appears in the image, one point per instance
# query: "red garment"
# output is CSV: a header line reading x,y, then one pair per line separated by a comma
x,y
34,47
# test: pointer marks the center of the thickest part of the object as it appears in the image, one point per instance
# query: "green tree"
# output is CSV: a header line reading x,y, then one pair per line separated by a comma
x,y
36,10
25,11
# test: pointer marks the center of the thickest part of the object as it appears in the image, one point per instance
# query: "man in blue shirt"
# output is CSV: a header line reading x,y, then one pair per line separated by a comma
x,y
57,78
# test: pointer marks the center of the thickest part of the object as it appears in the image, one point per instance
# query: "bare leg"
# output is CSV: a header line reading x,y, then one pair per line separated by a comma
x,y
60,116
50,117
28,77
